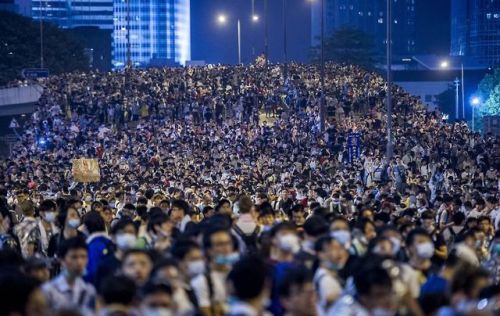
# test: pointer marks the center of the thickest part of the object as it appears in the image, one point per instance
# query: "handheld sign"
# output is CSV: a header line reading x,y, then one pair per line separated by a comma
x,y
86,170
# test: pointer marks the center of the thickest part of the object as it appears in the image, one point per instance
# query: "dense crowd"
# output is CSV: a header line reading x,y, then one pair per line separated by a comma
x,y
220,195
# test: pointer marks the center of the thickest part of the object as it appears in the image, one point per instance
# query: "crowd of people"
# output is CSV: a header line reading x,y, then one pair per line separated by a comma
x,y
220,194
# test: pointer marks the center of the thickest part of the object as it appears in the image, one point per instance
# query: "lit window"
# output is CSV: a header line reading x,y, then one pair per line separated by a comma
x,y
381,21
496,15
395,21
488,16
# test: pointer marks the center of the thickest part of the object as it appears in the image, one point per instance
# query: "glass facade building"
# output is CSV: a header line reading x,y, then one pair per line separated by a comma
x,y
72,14
370,17
475,30
159,32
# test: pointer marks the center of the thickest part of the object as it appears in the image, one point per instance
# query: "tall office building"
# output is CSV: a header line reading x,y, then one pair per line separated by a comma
x,y
475,30
75,13
370,17
159,32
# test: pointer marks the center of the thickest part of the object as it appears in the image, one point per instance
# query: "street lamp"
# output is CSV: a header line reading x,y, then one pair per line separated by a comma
x,y
322,108
255,18
475,102
222,19
445,65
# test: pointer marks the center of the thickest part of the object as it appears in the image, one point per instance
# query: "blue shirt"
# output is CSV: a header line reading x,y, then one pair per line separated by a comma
x,y
435,285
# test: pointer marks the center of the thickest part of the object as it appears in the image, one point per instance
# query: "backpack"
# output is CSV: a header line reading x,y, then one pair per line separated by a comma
x,y
250,240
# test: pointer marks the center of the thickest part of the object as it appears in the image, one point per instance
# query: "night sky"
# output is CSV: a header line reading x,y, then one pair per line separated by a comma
x,y
216,43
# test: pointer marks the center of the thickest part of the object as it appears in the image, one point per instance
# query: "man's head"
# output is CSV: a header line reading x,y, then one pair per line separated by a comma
x,y
157,299
285,239
118,290
137,265
296,292
124,233
48,211
220,247
374,287
190,257
73,255
420,244
180,208
223,207
249,278
331,252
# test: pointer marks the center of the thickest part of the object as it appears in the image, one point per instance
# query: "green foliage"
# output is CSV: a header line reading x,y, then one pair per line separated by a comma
x,y
489,92
20,48
349,46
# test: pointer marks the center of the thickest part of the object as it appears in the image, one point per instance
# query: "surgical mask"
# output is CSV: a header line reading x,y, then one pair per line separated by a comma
x,y
334,266
49,217
289,243
196,267
396,245
74,223
425,250
378,311
126,241
343,237
157,311
227,260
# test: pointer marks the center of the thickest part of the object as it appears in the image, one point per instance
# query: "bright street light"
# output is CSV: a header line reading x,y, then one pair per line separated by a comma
x,y
444,64
221,19
255,18
475,101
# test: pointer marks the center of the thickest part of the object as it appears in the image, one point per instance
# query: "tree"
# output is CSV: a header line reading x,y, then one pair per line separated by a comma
x,y
489,92
20,48
349,46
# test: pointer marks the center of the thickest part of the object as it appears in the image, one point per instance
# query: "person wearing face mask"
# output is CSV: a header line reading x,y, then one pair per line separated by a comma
x,y
124,237
441,250
68,289
68,222
365,229
157,299
209,287
314,227
117,295
332,257
47,222
27,230
285,244
374,293
8,240
421,250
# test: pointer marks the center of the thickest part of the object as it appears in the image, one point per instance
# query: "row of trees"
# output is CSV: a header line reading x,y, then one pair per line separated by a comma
x,y
20,48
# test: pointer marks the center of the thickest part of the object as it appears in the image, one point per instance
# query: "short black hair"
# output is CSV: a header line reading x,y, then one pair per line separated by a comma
x,y
315,226
319,245
135,251
47,205
370,272
182,247
15,290
155,286
282,226
207,236
121,224
219,205
248,277
94,222
71,244
414,233
156,220
118,289
183,205
295,276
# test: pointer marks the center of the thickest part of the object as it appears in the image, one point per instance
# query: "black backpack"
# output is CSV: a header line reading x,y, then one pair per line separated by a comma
x,y
250,240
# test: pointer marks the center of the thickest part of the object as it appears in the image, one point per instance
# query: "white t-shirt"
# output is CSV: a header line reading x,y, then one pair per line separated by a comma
x,y
327,286
202,292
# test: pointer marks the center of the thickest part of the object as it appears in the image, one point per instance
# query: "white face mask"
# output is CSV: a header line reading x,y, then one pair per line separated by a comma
x,y
289,243
196,267
396,245
343,237
382,312
425,250
126,241
157,311
49,217
74,223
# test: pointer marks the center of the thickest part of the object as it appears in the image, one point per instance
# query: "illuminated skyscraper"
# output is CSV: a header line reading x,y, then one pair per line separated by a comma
x,y
159,32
